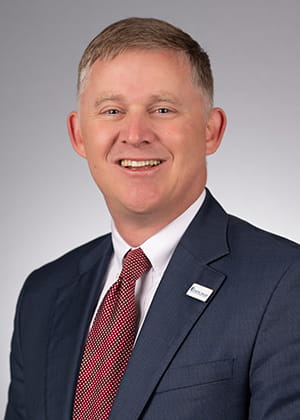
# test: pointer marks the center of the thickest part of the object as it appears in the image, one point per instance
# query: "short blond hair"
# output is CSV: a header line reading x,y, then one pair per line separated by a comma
x,y
147,33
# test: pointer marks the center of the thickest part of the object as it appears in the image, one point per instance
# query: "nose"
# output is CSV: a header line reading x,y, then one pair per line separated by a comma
x,y
136,129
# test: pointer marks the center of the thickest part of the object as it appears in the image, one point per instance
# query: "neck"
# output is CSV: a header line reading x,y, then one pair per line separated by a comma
x,y
136,228
136,232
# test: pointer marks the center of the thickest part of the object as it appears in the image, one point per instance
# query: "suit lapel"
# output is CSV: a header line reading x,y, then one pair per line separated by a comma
x,y
172,313
72,313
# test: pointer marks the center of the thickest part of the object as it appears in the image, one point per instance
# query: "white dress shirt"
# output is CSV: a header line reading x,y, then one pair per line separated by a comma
x,y
159,249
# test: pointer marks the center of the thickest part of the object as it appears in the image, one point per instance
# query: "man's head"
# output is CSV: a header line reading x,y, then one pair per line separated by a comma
x,y
147,34
145,123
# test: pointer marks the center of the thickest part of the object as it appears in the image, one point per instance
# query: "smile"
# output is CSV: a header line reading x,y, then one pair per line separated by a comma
x,y
136,164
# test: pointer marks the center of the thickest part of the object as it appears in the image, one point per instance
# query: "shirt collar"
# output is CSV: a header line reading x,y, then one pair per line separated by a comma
x,y
159,247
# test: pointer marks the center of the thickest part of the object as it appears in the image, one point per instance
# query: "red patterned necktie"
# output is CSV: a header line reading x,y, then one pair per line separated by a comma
x,y
109,343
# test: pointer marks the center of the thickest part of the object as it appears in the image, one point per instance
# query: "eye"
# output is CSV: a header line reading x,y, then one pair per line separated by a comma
x,y
112,111
163,110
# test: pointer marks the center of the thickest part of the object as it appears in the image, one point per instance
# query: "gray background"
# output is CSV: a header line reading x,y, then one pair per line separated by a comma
x,y
49,204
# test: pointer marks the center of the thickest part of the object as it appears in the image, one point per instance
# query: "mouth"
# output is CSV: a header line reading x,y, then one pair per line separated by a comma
x,y
139,164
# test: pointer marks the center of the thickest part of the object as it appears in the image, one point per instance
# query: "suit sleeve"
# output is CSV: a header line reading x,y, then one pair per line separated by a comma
x,y
16,398
275,365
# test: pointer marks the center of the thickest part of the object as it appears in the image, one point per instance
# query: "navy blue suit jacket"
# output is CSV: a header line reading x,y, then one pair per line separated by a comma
x,y
234,357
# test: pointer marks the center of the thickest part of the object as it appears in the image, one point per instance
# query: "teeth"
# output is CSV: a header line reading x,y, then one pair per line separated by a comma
x,y
139,163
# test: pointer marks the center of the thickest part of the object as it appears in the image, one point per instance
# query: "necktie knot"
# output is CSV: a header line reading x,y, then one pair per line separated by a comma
x,y
135,264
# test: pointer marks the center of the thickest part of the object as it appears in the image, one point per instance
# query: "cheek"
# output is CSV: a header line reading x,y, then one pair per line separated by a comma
x,y
187,142
95,156
97,149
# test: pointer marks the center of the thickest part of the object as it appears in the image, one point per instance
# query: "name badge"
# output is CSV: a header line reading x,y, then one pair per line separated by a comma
x,y
199,292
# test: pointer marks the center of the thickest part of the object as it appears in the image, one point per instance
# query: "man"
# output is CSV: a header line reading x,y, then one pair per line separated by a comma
x,y
218,311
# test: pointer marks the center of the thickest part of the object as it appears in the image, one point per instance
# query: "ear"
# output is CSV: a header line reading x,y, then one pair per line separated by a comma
x,y
215,129
75,133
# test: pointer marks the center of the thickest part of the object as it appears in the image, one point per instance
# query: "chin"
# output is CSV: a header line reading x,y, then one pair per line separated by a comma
x,y
142,201
140,208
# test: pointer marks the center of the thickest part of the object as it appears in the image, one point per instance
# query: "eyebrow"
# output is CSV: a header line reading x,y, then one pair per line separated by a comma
x,y
165,97
155,98
107,97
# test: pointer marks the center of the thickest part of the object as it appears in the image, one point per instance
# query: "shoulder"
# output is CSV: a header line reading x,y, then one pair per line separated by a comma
x,y
69,266
214,235
265,259
244,237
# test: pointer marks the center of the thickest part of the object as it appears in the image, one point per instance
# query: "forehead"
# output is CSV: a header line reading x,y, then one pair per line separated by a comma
x,y
141,69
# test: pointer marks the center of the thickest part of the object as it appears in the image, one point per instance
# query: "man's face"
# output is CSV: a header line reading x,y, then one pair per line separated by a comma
x,y
145,132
